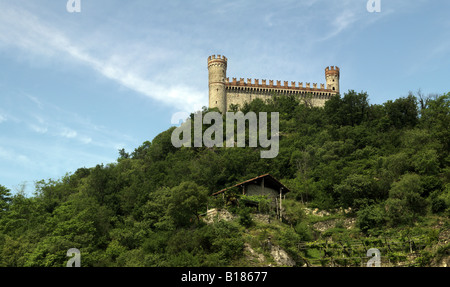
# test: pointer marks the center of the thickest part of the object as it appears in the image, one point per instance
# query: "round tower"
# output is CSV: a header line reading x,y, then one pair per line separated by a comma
x,y
332,78
217,70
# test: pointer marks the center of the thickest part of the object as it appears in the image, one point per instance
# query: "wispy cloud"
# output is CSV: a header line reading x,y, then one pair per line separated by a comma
x,y
26,161
36,101
22,29
343,21
68,133
49,121
37,124
346,15
38,129
11,155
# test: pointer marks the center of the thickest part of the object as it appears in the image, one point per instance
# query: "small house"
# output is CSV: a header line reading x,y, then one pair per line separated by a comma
x,y
265,185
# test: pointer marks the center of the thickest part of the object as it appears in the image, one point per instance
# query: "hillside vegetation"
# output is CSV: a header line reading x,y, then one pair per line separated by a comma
x,y
361,176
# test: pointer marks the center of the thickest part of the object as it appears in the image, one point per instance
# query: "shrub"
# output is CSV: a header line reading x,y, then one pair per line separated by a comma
x,y
370,217
303,230
396,212
438,205
245,218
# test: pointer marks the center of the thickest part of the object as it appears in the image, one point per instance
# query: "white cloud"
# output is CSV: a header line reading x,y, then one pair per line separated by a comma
x,y
2,118
340,21
68,133
85,140
38,124
11,155
24,30
38,129
36,101
345,15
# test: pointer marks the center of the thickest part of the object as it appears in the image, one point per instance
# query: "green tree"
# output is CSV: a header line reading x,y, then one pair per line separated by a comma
x,y
350,110
185,203
302,161
25,215
436,119
402,112
407,194
293,211
81,220
257,105
5,199
233,108
356,191
372,216
245,217
155,210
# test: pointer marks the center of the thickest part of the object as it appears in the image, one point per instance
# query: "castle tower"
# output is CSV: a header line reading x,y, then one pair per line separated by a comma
x,y
217,70
332,78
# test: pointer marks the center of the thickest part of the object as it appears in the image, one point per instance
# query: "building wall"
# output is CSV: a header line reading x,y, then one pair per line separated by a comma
x,y
242,97
223,92
217,73
256,189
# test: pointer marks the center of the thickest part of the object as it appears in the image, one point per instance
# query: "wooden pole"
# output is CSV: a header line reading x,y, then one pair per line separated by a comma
x,y
276,206
280,204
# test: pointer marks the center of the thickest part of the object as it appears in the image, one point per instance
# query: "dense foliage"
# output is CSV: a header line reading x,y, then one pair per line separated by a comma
x,y
389,163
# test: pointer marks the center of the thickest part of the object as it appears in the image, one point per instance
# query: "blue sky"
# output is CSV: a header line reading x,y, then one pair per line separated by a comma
x,y
76,87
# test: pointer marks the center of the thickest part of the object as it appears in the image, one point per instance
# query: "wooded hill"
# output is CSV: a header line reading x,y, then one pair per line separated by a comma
x,y
387,164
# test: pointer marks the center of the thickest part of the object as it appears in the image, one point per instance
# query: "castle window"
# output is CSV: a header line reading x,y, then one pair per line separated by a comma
x,y
333,90
216,101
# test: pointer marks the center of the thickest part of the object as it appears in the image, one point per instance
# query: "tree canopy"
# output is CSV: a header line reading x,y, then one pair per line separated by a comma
x,y
389,163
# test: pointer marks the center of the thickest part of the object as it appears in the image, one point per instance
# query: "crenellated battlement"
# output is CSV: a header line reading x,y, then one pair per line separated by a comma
x,y
255,83
217,58
224,92
332,70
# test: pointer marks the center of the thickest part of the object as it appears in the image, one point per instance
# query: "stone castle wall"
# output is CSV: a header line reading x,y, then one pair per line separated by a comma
x,y
223,92
238,93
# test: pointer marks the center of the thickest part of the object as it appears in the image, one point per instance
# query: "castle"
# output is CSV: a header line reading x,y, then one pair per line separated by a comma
x,y
223,93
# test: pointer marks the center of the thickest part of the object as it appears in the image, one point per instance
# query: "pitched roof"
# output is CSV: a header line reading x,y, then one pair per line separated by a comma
x,y
272,181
